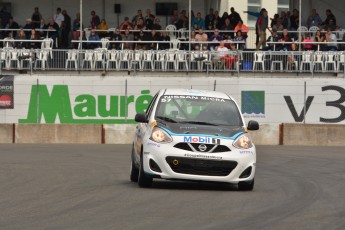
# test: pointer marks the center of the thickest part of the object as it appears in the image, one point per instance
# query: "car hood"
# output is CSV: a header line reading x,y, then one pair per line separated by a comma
x,y
225,131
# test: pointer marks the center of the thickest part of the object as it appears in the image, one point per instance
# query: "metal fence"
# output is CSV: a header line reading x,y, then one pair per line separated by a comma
x,y
173,60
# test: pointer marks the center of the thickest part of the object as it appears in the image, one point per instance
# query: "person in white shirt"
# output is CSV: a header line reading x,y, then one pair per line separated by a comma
x,y
58,17
220,54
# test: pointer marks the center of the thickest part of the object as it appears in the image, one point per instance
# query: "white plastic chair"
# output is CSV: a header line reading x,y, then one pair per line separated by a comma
x,y
170,59
88,59
330,59
14,58
125,58
99,58
42,58
182,34
171,29
112,59
304,30
340,60
181,58
175,44
319,60
275,62
72,58
340,34
307,59
136,59
104,43
312,31
160,59
148,56
47,44
259,58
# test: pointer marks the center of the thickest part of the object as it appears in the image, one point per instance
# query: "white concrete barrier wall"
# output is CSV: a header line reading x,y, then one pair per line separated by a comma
x,y
313,135
118,134
6,133
58,134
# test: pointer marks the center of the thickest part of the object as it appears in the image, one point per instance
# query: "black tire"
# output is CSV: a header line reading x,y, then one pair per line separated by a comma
x,y
246,185
134,170
144,181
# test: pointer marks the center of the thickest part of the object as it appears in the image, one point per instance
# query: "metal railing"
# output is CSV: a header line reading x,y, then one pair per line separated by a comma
x,y
173,60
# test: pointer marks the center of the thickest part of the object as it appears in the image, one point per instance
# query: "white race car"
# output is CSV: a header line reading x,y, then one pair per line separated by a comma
x,y
193,135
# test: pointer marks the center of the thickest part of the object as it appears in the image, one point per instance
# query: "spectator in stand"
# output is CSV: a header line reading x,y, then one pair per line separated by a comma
x,y
42,28
331,25
34,36
227,35
58,17
234,17
103,26
223,19
165,38
149,19
185,19
217,19
141,38
65,30
232,57
4,16
243,28
36,18
294,19
140,25
221,53
174,17
136,18
127,37
278,26
95,20
258,16
210,28
273,38
21,36
179,22
329,16
214,39
209,18
262,26
239,38
308,43
54,34
153,36
27,28
76,27
274,20
285,38
331,41
12,25
201,36
318,38
117,38
284,19
199,21
126,25
314,19
157,25
93,38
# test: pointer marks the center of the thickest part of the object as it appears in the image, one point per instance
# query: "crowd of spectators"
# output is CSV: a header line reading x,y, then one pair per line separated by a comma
x,y
147,30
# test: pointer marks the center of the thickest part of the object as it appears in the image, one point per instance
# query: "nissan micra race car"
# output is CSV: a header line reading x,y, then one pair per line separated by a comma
x,y
193,135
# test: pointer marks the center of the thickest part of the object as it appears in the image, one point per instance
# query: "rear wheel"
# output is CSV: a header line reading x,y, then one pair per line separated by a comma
x,y
134,170
246,185
144,181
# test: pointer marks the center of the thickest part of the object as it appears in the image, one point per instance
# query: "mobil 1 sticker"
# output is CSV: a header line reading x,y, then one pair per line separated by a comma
x,y
205,140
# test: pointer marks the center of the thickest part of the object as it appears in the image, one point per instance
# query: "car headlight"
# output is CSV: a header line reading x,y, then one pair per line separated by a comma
x,y
160,136
243,142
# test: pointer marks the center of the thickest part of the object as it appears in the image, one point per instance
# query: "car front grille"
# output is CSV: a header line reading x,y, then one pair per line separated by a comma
x,y
192,147
201,167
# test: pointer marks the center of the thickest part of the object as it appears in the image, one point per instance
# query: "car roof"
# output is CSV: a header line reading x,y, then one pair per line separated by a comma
x,y
196,92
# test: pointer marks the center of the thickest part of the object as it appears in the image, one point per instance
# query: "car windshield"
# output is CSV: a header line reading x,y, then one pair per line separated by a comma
x,y
198,110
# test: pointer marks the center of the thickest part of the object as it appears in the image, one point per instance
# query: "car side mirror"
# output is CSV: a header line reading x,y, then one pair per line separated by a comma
x,y
141,118
253,125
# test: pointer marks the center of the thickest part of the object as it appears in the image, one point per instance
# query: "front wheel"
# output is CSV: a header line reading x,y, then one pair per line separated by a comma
x,y
144,181
246,185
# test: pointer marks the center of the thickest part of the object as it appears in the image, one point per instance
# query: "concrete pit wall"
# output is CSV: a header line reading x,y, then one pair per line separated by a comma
x,y
6,133
285,134
313,135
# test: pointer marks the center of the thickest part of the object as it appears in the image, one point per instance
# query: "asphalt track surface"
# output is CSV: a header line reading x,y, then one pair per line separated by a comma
x,y
88,187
